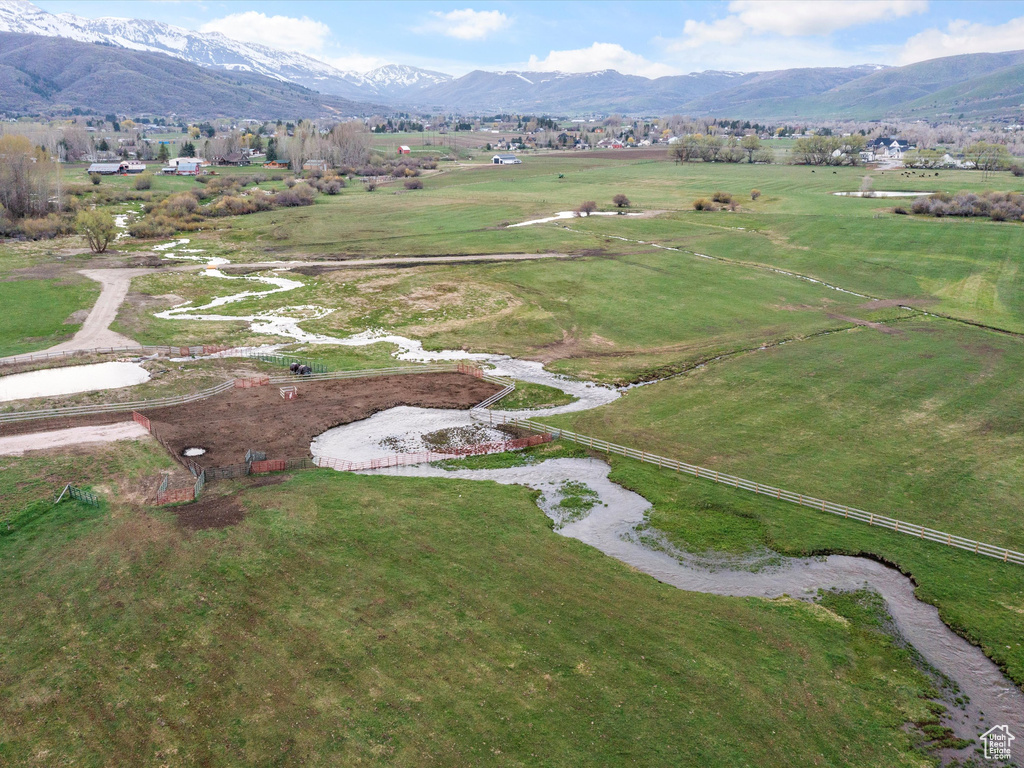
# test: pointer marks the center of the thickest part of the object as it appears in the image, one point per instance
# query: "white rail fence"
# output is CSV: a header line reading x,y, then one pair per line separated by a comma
x,y
841,510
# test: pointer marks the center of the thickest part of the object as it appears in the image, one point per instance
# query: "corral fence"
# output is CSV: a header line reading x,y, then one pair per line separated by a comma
x,y
284,360
179,495
74,492
255,381
841,510
88,410
146,349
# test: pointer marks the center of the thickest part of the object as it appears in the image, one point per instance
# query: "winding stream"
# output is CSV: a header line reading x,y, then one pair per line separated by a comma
x,y
611,526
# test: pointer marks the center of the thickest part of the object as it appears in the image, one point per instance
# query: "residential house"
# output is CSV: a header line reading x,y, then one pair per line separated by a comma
x,y
233,158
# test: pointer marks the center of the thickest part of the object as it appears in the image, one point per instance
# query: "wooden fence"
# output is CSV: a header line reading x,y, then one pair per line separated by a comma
x,y
841,510
136,405
38,357
87,410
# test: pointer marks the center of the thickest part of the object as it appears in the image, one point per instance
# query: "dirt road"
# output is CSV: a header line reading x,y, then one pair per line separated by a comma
x,y
17,445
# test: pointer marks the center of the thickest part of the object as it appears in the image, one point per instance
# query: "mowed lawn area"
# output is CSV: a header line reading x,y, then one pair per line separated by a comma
x,y
373,620
35,311
922,424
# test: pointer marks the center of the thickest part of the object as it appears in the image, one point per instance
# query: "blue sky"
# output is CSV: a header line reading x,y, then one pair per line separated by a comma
x,y
642,38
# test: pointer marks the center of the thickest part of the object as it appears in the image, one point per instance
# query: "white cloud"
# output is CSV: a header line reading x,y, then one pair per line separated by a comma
x,y
818,17
964,37
466,24
600,56
791,18
283,32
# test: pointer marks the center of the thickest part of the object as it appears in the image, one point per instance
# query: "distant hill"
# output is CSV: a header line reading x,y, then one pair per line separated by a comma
x,y
54,75
982,85
212,49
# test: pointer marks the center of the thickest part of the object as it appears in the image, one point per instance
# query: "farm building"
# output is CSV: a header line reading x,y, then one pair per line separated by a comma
x,y
174,162
105,169
276,164
316,165
505,159
404,150
189,169
113,169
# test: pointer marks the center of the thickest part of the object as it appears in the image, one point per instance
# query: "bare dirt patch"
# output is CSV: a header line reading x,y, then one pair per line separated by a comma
x,y
866,324
211,512
893,303
231,423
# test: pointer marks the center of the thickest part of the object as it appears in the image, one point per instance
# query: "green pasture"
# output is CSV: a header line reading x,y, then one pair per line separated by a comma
x,y
921,424
980,598
353,620
35,311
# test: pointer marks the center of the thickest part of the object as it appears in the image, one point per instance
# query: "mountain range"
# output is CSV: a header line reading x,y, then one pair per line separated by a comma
x,y
974,85
52,75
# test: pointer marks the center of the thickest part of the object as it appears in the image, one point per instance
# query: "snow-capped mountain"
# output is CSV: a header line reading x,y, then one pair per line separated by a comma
x,y
399,80
205,49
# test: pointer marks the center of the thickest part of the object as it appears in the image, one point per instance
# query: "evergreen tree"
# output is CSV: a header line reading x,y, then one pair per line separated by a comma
x,y
271,151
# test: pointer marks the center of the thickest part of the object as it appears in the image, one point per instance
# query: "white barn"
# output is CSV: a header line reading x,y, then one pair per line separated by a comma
x,y
506,159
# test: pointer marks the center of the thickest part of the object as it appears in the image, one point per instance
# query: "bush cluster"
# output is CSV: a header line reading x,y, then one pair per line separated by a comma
x,y
998,206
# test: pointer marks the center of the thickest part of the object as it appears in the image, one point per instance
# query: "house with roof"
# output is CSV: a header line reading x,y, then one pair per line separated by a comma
x,y
233,158
505,158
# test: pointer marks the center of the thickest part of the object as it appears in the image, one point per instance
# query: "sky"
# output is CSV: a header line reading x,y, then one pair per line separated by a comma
x,y
650,39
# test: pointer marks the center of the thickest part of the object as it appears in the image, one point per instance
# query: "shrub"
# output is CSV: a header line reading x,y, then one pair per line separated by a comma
x,y
722,197
900,210
290,182
703,204
921,205
414,184
180,204
621,201
370,186
586,208
98,227
1017,170
299,194
202,178
145,181
44,228
95,179
755,193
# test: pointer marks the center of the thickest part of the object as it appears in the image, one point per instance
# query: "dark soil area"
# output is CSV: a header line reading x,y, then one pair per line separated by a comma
x,y
229,424
215,512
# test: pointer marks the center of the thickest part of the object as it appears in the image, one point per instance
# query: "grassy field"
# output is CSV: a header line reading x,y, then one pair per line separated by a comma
x,y
351,620
922,425
36,312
